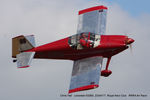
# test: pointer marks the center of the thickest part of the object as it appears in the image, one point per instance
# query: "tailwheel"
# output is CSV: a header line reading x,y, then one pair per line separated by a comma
x,y
106,73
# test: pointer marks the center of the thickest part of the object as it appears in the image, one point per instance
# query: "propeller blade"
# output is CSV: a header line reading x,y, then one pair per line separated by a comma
x,y
130,46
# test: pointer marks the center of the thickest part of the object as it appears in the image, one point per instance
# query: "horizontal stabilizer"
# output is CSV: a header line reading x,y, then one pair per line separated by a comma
x,y
24,59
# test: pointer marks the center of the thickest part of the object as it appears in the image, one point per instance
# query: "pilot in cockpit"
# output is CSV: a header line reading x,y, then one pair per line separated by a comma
x,y
85,40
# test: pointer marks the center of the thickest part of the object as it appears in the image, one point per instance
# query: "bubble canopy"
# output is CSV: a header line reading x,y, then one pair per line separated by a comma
x,y
84,40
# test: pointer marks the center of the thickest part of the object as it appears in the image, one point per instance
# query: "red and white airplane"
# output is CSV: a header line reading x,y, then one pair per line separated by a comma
x,y
87,49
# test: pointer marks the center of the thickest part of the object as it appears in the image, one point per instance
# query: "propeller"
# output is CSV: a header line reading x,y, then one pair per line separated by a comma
x,y
129,41
130,46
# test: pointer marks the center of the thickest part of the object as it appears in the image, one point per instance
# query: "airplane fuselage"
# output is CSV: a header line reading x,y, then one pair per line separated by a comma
x,y
109,45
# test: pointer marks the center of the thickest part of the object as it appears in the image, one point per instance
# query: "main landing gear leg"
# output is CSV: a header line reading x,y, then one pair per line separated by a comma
x,y
106,72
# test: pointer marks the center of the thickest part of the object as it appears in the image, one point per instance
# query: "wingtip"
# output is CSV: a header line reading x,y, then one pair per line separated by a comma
x,y
92,9
88,87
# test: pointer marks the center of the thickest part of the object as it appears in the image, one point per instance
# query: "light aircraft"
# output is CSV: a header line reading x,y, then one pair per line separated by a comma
x,y
87,49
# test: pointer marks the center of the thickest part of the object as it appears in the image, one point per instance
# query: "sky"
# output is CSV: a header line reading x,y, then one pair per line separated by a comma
x,y
134,7
51,20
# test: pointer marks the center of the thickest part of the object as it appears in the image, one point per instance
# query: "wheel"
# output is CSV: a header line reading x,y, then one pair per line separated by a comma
x,y
15,60
106,73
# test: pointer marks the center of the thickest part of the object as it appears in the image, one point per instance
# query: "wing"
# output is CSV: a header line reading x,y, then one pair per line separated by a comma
x,y
85,74
92,20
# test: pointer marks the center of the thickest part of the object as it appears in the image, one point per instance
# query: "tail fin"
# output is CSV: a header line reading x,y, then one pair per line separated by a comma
x,y
19,45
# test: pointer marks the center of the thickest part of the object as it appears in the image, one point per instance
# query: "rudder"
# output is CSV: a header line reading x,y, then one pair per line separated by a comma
x,y
22,43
